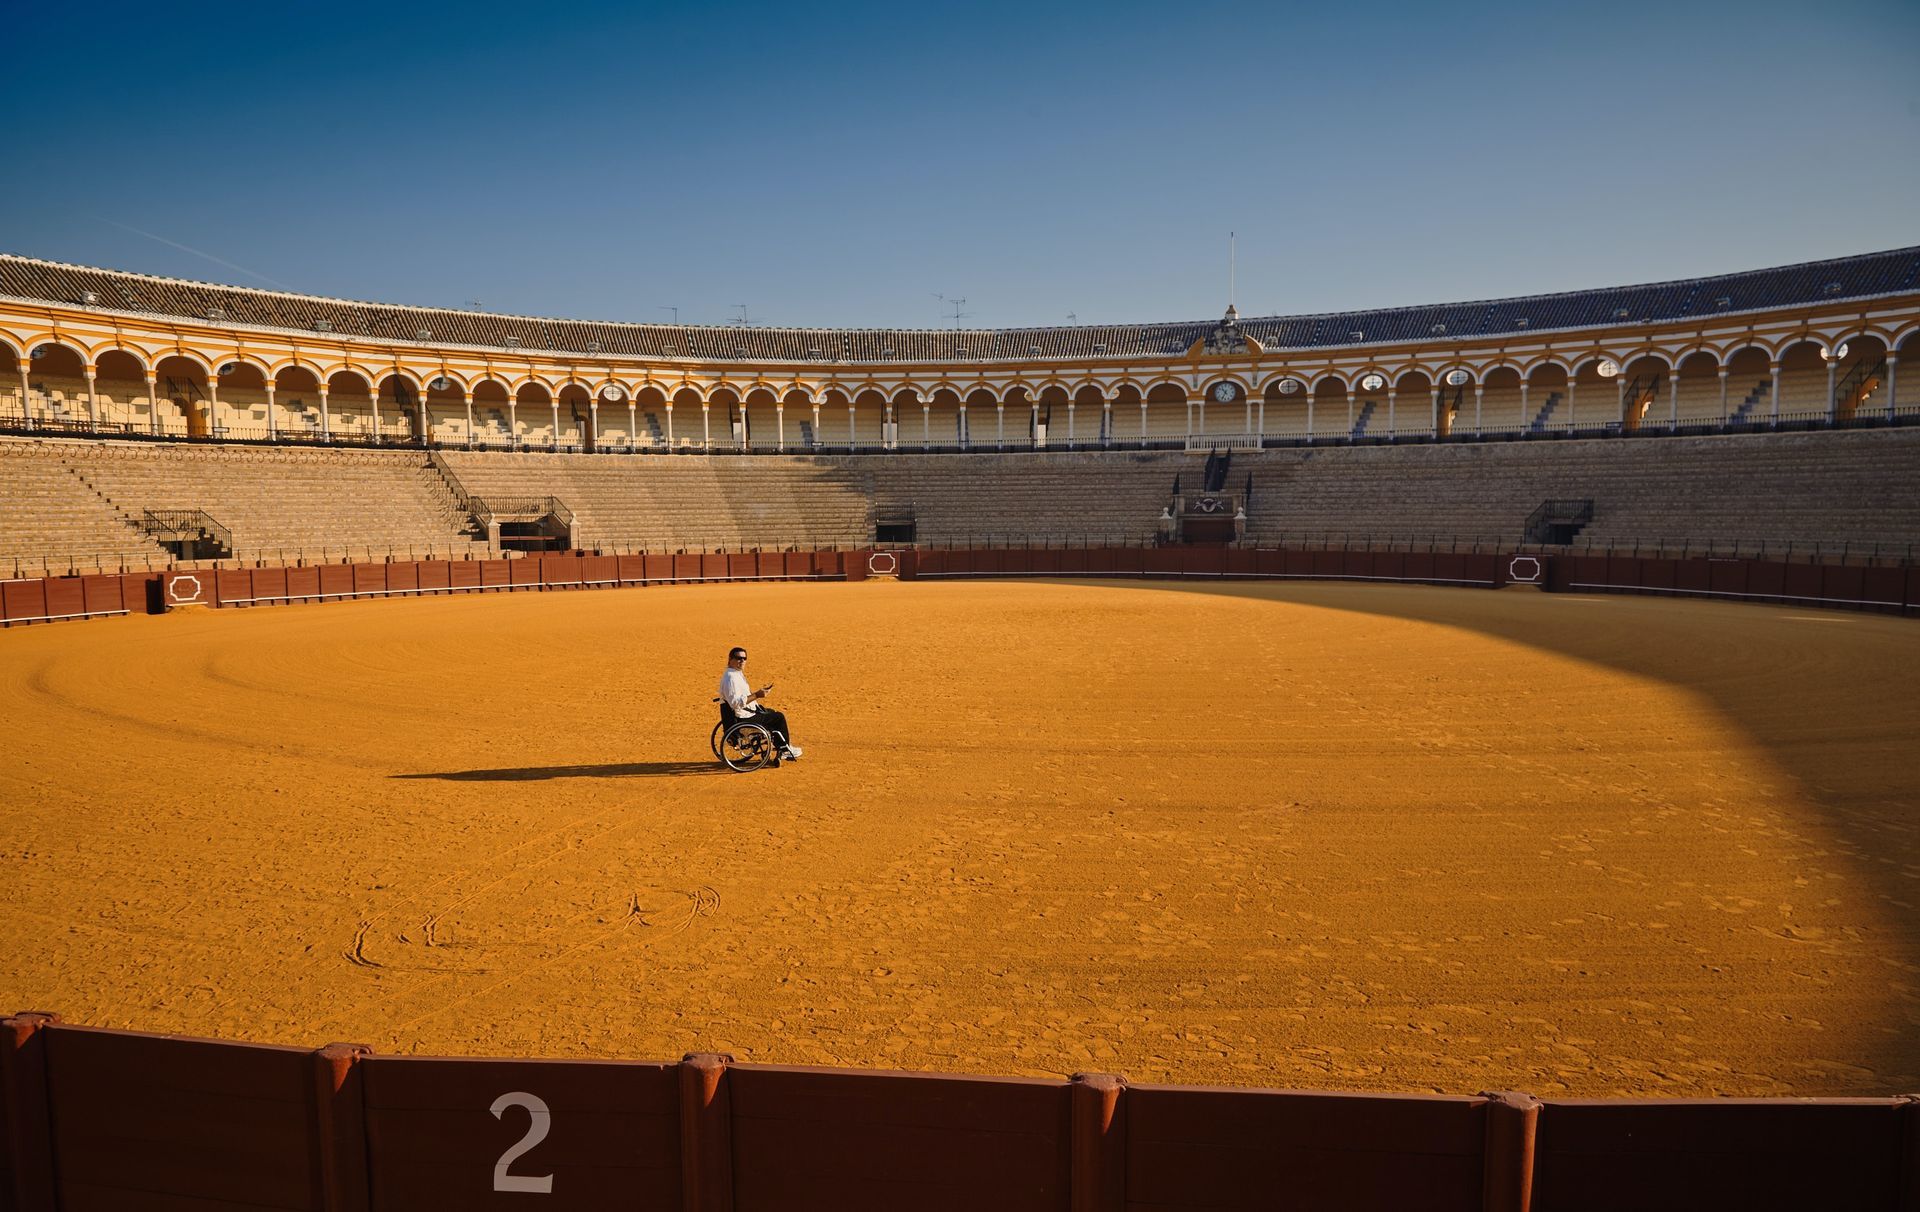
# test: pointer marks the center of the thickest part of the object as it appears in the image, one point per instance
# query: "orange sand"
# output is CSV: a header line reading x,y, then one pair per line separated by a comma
x,y
1469,841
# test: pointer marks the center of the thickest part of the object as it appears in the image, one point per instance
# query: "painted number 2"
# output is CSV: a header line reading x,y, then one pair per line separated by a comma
x,y
542,1121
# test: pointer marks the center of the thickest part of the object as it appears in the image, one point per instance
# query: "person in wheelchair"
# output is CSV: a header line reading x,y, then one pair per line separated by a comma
x,y
737,702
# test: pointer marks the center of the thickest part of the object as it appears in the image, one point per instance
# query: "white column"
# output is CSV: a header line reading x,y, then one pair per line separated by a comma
x,y
1247,400
1893,365
593,424
669,411
1350,403
153,402
555,444
273,431
1106,420
853,432
1143,420
889,436
26,390
469,399
1833,400
926,424
633,423
1070,433
1262,430
326,418
213,402
1723,394
93,399
1033,424
816,422
1189,416
1393,424
1673,401
1620,391
374,400
513,421
1203,413
1000,424
780,425
964,437
1570,382
1775,422
1525,413
706,425
1479,391
1433,422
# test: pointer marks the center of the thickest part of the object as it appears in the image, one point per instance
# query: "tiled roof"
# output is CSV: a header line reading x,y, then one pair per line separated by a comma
x,y
1811,282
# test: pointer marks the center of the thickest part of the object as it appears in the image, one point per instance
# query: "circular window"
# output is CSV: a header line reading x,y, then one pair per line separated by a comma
x,y
1373,382
614,392
1289,387
1608,368
1457,378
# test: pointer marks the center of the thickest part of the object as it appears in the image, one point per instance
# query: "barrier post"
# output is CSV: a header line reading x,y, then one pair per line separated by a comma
x,y
1098,1175
1507,1183
338,1091
706,1133
24,1113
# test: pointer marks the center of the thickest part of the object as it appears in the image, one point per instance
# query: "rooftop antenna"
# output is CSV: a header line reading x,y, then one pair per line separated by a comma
x,y
956,304
476,304
676,314
744,322
1073,317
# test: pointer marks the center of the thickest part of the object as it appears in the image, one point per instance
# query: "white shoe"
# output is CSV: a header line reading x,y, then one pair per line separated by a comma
x,y
793,752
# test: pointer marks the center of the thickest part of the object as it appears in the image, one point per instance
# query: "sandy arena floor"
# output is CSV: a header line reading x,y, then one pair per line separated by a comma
x,y
1306,835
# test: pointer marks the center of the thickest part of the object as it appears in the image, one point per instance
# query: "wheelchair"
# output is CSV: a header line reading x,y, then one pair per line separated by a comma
x,y
742,744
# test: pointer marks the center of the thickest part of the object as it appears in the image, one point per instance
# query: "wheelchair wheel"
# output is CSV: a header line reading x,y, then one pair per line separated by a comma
x,y
746,747
718,731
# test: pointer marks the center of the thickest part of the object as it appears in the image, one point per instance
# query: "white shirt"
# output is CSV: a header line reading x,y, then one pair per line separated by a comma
x,y
735,693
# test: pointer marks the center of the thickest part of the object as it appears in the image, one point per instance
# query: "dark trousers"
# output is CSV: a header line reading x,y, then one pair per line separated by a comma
x,y
774,722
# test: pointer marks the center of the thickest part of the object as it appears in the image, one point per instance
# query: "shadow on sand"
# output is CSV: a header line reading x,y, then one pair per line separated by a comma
x,y
617,770
1838,713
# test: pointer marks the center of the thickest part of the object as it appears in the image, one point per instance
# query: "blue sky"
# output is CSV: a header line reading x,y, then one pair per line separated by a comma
x,y
843,165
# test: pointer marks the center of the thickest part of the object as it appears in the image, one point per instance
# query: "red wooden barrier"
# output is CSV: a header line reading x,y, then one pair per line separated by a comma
x,y
1671,1156
464,574
403,577
514,1134
336,581
103,595
1192,1148
144,1121
27,1181
810,1140
740,566
559,570
600,570
367,578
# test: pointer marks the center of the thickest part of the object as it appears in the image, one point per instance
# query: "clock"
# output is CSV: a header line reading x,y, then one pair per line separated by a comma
x,y
1223,392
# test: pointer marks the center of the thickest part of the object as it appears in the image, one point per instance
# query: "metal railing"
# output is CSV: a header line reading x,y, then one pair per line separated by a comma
x,y
185,525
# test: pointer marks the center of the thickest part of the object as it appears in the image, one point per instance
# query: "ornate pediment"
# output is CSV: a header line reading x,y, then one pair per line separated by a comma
x,y
1226,339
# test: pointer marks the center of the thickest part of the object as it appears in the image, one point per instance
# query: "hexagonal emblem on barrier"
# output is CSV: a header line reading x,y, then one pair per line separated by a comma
x,y
1524,569
883,564
185,589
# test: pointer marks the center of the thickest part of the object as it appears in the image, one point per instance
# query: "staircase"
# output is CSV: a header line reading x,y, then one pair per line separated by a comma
x,y
1858,387
1558,522
1360,421
191,534
1753,397
1640,393
458,506
1540,419
654,430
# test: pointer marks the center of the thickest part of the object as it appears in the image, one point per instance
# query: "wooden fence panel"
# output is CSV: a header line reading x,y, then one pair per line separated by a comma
x,y
149,1121
66,597
825,1141
1802,581
741,565
1883,588
404,576
713,567
1845,585
336,580
496,574
367,578
463,574
1684,1155
560,570
1694,576
437,1131
303,582
1727,576
433,574
1195,1148
1766,577
24,599
602,570
104,593
524,571
268,585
